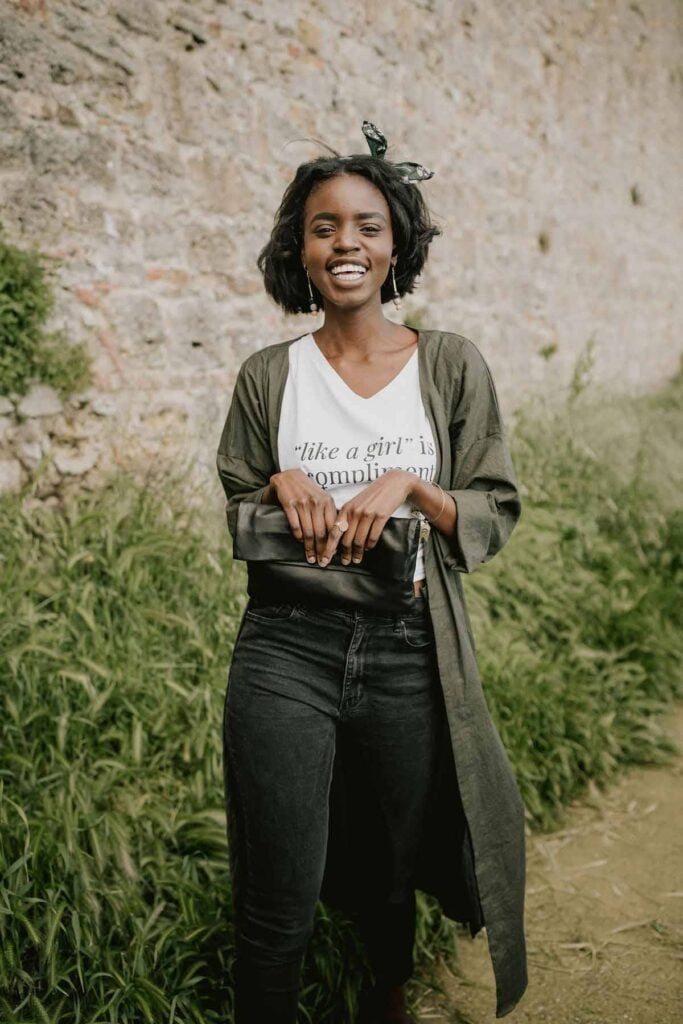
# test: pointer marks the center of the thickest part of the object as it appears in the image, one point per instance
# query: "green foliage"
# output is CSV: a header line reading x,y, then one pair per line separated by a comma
x,y
118,628
112,839
548,351
115,645
417,318
28,352
583,369
578,621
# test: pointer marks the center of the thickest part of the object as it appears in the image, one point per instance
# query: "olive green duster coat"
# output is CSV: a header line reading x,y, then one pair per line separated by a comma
x,y
472,848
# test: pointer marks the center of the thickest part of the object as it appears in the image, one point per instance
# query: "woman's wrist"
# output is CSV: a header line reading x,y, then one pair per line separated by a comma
x,y
269,496
424,495
436,505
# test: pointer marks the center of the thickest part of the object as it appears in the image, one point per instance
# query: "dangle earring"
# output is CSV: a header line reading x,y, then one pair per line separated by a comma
x,y
397,297
311,301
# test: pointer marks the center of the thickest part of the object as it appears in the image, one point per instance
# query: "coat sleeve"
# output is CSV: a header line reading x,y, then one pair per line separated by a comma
x,y
482,480
245,462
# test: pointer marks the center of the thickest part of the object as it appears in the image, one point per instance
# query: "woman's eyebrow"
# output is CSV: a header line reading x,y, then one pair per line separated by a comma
x,y
359,216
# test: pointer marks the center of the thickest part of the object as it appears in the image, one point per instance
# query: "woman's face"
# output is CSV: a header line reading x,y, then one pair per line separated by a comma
x,y
347,240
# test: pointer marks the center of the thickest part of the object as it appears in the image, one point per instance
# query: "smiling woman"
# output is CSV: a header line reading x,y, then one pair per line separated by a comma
x,y
344,247
393,207
360,760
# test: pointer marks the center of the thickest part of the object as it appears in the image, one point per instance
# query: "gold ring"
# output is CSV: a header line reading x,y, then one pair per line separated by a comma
x,y
342,524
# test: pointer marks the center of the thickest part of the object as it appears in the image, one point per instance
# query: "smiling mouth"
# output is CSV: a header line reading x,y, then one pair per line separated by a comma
x,y
348,272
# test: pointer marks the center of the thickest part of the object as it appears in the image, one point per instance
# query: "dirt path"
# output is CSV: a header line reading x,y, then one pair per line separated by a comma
x,y
604,915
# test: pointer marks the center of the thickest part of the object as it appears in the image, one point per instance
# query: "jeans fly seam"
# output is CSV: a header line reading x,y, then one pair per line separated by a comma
x,y
350,656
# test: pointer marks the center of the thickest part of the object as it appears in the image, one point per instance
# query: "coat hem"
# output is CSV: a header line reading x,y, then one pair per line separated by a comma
x,y
502,1009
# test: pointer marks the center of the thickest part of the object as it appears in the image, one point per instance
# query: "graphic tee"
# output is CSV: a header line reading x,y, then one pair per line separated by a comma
x,y
343,441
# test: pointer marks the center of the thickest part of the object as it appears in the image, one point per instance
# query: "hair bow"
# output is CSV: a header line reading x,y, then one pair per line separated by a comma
x,y
378,147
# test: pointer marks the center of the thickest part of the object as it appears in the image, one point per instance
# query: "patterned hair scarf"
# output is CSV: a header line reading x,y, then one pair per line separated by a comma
x,y
378,147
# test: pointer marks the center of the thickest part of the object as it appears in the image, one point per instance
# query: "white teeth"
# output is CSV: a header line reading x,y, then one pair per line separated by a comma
x,y
348,268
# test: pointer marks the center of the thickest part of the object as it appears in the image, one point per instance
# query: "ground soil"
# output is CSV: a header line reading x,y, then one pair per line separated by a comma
x,y
604,915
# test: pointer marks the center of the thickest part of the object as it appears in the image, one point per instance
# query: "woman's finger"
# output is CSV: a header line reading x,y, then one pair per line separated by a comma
x,y
336,525
360,537
375,532
292,513
331,515
346,540
308,531
333,538
319,529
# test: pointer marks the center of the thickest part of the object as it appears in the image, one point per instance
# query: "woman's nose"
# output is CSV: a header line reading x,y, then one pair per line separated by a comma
x,y
346,240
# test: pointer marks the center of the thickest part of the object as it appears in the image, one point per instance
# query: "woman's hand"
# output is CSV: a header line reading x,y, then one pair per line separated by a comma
x,y
310,511
367,514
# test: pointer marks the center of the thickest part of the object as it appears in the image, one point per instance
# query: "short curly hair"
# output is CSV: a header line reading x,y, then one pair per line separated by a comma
x,y
280,259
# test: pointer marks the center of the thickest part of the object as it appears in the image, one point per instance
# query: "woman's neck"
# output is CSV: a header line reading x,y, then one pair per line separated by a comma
x,y
358,331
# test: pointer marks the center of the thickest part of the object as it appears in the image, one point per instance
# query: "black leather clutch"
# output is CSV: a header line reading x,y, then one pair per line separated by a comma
x,y
278,571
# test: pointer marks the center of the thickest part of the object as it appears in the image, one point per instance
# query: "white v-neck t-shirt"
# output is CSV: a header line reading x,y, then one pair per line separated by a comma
x,y
343,441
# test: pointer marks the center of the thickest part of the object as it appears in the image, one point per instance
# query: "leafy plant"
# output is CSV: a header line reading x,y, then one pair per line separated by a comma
x,y
28,352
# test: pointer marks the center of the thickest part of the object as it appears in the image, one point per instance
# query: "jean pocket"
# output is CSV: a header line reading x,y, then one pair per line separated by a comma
x,y
417,632
271,612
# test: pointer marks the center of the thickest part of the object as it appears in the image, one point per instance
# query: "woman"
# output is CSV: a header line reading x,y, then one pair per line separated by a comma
x,y
360,759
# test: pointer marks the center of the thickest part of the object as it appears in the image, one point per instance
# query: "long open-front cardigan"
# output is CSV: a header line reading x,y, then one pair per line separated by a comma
x,y
472,848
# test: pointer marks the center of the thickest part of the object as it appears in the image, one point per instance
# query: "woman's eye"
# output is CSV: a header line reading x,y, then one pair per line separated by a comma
x,y
370,229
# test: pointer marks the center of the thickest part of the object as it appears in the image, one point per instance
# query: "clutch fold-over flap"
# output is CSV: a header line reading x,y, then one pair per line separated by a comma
x,y
263,534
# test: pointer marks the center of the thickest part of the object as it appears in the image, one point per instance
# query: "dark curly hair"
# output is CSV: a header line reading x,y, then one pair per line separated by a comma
x,y
280,259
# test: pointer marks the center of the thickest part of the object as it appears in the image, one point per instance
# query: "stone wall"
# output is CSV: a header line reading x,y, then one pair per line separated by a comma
x,y
147,144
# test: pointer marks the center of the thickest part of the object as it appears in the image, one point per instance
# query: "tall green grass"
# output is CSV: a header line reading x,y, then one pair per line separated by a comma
x,y
579,622
118,622
114,895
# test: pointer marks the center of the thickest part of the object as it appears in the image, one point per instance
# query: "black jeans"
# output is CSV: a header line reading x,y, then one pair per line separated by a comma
x,y
303,681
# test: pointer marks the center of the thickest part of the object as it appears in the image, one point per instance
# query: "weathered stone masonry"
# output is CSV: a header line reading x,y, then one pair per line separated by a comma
x,y
147,144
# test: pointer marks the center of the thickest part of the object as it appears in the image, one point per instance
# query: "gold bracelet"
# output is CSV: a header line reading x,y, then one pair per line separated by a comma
x,y
443,502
